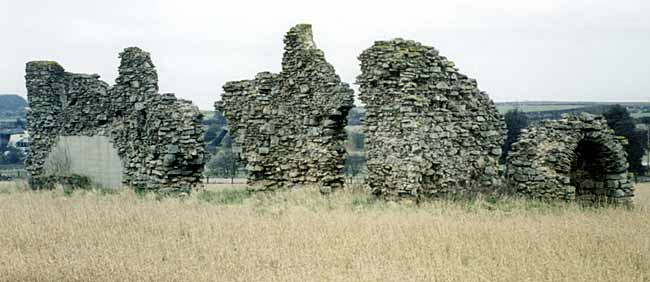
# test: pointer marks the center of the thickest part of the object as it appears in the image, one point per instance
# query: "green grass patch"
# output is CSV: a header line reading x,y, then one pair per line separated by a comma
x,y
539,108
640,115
224,197
363,201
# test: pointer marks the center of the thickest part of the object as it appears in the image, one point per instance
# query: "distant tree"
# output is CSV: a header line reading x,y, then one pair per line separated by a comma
x,y
221,164
356,115
215,130
210,134
12,156
516,120
354,164
619,119
20,123
645,144
644,120
226,142
637,148
216,119
357,140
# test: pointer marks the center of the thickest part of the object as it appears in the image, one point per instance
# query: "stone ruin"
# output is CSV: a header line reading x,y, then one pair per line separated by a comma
x,y
430,132
288,128
574,158
129,132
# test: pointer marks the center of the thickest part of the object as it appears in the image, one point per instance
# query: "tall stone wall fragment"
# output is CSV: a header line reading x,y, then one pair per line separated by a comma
x,y
430,132
157,137
573,158
288,128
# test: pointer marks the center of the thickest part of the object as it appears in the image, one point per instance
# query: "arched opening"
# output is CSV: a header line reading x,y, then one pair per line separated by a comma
x,y
589,172
92,156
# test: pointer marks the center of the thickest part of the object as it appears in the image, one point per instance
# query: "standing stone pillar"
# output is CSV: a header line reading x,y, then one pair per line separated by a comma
x,y
288,128
430,132
46,94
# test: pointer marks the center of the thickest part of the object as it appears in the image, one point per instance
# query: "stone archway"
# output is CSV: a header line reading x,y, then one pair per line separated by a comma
x,y
574,158
588,171
596,172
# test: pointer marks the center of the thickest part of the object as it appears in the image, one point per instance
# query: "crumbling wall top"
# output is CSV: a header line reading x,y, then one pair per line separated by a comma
x,y
49,66
299,37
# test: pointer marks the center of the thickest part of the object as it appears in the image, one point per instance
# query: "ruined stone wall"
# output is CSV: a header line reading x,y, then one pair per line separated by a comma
x,y
573,158
430,132
158,137
288,127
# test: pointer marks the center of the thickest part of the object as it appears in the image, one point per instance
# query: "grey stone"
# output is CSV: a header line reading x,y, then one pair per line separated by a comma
x,y
419,125
581,151
294,119
618,193
131,113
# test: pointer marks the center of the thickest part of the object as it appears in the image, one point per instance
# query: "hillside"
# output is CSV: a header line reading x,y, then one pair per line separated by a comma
x,y
12,107
549,109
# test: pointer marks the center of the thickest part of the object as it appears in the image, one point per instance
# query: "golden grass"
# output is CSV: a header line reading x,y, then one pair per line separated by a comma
x,y
302,236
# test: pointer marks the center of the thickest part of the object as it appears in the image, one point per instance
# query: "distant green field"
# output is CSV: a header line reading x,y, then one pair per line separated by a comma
x,y
207,114
640,115
354,128
503,108
12,170
530,107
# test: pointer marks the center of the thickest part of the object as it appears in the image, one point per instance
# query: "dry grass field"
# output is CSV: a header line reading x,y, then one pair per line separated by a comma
x,y
229,235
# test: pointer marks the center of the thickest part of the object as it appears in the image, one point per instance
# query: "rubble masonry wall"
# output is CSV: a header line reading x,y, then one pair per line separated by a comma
x,y
157,137
573,158
430,132
288,128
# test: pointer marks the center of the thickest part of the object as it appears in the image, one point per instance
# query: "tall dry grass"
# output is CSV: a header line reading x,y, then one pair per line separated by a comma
x,y
302,236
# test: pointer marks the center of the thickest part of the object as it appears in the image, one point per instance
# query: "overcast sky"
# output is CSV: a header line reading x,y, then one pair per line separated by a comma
x,y
563,50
